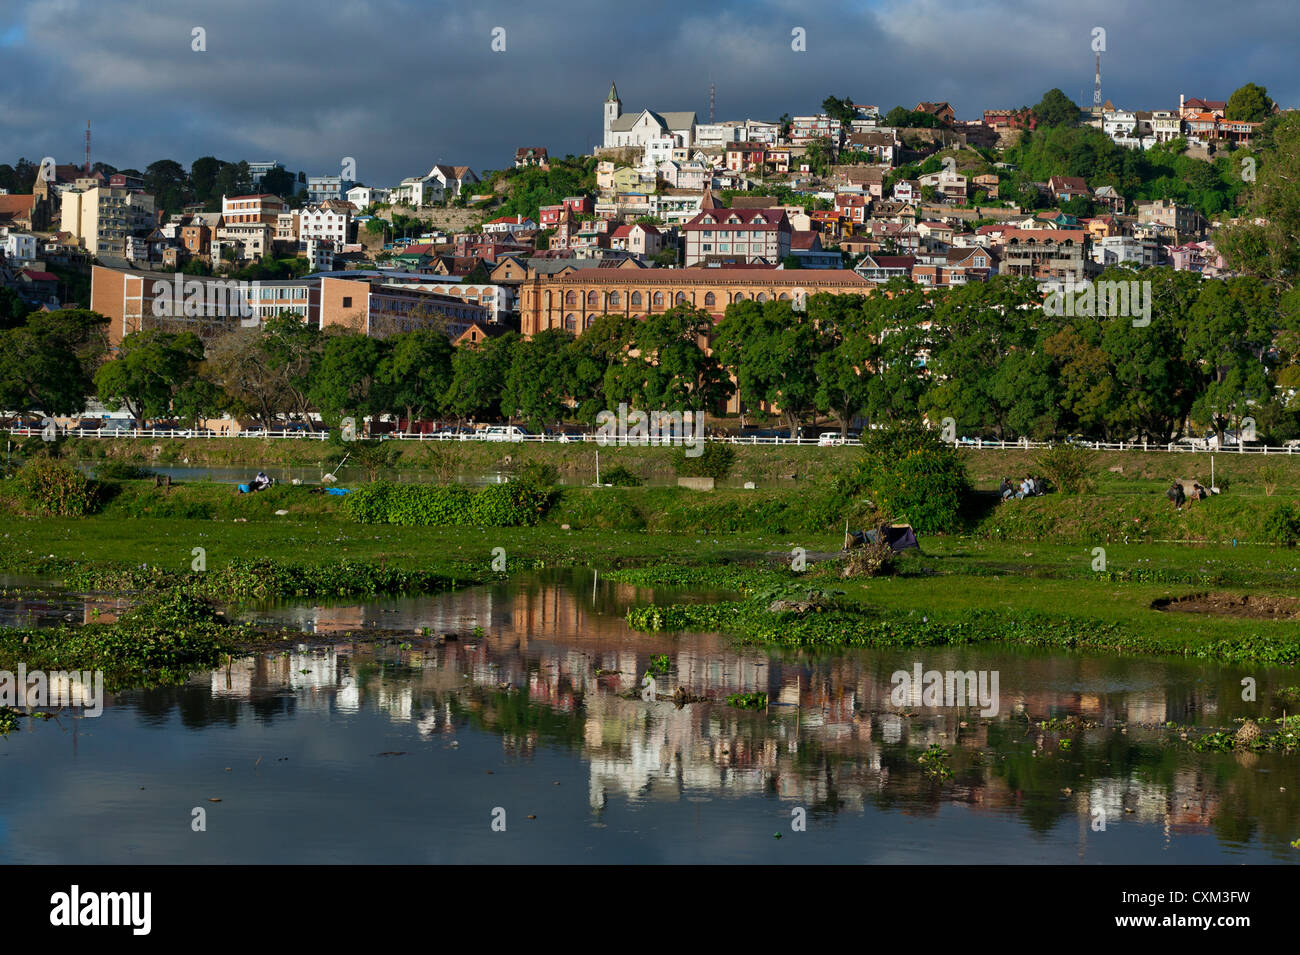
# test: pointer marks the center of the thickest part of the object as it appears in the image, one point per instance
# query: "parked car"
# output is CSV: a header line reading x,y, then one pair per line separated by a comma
x,y
506,432
829,439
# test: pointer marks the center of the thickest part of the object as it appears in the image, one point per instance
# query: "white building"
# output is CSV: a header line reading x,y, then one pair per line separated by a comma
x,y
18,246
364,196
637,129
327,222
320,188
417,192
1125,250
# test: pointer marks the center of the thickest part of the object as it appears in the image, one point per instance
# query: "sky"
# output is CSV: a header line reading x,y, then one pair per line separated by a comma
x,y
399,85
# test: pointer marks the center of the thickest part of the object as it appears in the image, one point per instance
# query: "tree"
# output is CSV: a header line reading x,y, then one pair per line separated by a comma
x,y
1266,242
150,369
344,383
279,182
1056,109
167,182
671,371
13,310
47,363
840,109
540,378
415,372
602,347
203,177
479,377
773,351
1249,103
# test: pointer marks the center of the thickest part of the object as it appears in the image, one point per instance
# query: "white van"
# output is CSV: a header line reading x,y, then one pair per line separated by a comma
x,y
502,433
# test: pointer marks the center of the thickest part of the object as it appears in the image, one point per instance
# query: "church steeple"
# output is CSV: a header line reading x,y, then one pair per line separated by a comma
x,y
613,93
613,110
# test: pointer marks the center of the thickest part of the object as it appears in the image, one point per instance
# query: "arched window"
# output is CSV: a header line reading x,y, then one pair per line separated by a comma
x,y
681,298
571,298
590,319
636,298
783,297
658,300
613,299
709,299
593,298
760,297
571,322
738,297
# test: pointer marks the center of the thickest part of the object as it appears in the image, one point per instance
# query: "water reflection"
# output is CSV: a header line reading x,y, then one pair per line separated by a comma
x,y
545,674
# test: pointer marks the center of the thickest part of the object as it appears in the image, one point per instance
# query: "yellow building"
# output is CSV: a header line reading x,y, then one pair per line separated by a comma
x,y
103,218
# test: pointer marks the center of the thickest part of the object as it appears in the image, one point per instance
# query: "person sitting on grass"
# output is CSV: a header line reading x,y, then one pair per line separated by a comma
x,y
1177,495
260,482
1006,491
1199,493
1026,488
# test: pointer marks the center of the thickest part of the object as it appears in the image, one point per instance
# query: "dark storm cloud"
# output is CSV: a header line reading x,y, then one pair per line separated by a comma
x,y
401,84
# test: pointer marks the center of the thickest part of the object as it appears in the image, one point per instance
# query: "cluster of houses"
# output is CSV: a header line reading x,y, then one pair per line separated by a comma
x,y
655,232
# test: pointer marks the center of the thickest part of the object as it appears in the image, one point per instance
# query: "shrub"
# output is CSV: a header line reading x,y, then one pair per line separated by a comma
x,y
714,461
1070,468
1270,475
497,505
120,471
374,456
57,489
1282,526
619,476
537,474
910,474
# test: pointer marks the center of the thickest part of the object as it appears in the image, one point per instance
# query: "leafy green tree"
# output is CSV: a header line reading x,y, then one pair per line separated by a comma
x,y
602,347
839,109
977,332
344,384
1264,243
279,182
671,370
540,378
168,183
1056,109
1229,331
203,177
773,351
47,363
415,372
150,369
1250,104
479,377
13,310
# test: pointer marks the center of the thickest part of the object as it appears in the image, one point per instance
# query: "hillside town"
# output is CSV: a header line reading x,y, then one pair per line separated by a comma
x,y
669,210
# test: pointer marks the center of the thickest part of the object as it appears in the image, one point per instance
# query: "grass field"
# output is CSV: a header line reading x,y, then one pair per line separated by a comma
x,y
1022,561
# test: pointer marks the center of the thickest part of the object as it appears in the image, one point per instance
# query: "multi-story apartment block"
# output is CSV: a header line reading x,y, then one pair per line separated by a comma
x,y
804,129
321,188
259,208
739,235
330,220
1180,219
1045,254
103,217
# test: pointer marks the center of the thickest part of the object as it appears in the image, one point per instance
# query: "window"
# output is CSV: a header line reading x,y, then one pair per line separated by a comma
x,y
613,299
738,297
681,298
709,299
659,299
636,298
571,298
347,301
592,297
590,319
783,297
760,297
571,323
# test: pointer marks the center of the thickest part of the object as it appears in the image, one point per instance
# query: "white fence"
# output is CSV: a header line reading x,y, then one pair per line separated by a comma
x,y
832,440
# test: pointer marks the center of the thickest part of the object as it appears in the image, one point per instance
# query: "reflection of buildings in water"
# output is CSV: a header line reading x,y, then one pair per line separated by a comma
x,y
825,741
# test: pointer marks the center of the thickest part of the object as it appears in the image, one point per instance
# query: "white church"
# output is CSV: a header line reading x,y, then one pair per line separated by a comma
x,y
639,129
